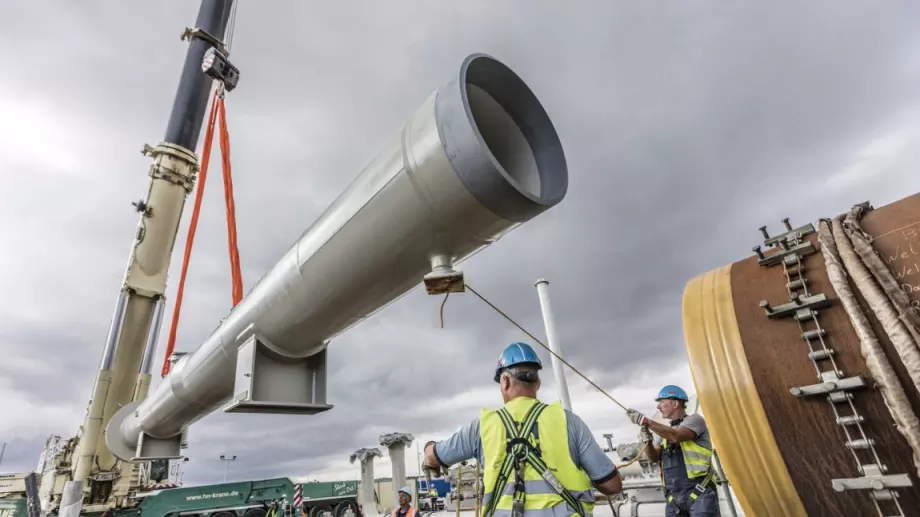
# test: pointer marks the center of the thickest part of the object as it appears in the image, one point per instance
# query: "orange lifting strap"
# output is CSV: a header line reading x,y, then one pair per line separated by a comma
x,y
217,108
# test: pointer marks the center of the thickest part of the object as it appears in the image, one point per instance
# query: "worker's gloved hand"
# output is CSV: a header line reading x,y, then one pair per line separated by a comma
x,y
645,436
636,417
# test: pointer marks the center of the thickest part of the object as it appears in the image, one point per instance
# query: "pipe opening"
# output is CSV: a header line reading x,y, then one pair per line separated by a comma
x,y
504,139
515,128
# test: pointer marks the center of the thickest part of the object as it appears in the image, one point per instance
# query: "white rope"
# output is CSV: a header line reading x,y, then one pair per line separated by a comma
x,y
880,368
897,297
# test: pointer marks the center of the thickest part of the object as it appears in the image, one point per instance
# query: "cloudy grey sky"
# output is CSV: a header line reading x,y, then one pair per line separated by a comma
x,y
685,127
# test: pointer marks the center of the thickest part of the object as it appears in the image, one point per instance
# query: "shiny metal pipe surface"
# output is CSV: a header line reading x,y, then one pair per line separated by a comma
x,y
478,158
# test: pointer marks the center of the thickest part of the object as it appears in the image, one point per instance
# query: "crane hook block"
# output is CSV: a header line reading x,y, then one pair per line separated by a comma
x,y
216,66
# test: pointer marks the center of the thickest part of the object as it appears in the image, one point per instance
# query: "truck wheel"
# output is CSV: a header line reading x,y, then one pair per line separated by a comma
x,y
321,510
342,509
255,512
224,514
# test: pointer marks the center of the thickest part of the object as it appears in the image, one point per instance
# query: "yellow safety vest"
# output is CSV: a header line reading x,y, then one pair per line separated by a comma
x,y
541,500
697,459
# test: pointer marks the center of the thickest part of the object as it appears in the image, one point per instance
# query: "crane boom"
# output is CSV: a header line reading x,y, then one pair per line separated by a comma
x,y
124,371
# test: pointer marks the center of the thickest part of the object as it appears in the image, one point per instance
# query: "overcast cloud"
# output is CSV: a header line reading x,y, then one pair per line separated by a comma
x,y
685,127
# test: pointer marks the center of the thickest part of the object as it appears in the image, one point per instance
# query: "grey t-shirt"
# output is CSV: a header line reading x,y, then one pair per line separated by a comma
x,y
697,424
584,451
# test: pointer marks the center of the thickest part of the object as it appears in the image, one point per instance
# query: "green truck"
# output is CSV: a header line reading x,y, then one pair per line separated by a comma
x,y
265,498
13,507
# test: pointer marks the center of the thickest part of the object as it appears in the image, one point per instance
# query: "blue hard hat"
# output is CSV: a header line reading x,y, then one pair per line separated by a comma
x,y
515,354
672,392
406,491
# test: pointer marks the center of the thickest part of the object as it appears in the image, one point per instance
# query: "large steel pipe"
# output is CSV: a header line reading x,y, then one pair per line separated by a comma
x,y
480,157
785,448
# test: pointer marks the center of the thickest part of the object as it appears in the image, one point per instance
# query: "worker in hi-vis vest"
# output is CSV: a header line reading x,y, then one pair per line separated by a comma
x,y
554,463
433,494
404,509
685,451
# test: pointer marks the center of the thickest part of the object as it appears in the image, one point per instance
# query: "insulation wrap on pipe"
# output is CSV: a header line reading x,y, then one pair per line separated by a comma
x,y
477,159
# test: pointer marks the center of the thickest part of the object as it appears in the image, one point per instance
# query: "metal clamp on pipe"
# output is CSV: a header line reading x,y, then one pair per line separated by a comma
x,y
443,279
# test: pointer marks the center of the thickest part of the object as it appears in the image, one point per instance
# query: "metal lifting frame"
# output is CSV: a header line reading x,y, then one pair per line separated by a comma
x,y
804,306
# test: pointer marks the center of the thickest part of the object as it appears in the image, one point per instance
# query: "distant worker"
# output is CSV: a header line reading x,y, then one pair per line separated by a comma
x,y
433,494
405,509
555,462
685,451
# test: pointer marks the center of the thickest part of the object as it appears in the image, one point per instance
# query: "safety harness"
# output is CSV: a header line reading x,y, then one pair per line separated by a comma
x,y
520,450
683,510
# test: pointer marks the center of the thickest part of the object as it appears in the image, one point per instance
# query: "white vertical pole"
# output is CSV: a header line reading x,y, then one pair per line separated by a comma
x,y
552,337
226,460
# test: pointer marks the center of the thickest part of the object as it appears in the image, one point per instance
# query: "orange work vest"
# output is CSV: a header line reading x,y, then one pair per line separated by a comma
x,y
409,513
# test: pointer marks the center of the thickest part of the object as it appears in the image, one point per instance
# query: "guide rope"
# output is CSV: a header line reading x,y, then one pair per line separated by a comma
x,y
516,324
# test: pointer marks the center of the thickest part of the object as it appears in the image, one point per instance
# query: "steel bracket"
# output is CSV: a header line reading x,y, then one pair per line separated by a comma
x,y
830,386
872,481
791,235
152,448
268,382
801,249
443,279
444,283
800,303
790,241
197,32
